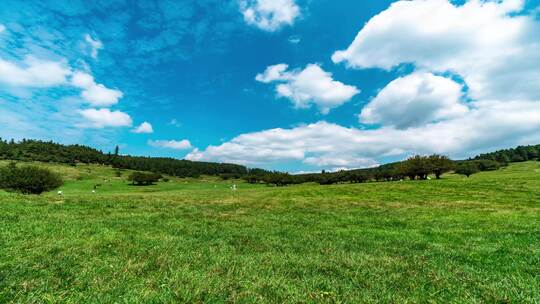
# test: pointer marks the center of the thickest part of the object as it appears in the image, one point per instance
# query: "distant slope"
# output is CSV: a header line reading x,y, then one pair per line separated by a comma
x,y
36,150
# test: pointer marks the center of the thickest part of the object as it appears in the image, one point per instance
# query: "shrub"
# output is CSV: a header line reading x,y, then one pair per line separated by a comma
x,y
28,179
228,176
144,179
487,165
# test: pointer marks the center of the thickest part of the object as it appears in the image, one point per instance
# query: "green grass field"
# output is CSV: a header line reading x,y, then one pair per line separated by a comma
x,y
454,240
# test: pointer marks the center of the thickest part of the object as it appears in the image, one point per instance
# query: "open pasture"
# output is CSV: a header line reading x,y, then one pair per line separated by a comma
x,y
453,240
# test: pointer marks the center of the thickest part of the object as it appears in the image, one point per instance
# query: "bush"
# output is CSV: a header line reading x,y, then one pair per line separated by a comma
x,y
144,179
28,179
228,176
487,165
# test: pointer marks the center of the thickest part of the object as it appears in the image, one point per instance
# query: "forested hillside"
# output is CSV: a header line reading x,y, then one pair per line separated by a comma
x,y
35,150
519,154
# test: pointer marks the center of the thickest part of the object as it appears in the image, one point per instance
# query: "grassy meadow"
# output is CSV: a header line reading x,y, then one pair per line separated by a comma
x,y
455,240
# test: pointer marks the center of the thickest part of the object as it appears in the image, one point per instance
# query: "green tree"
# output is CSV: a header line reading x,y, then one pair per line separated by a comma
x,y
416,166
467,168
440,164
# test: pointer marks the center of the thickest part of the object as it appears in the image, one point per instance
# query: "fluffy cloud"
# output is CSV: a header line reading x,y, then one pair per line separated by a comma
x,y
95,45
145,127
38,73
491,45
171,144
2,28
105,118
311,86
34,73
269,15
96,94
495,50
486,126
273,73
415,100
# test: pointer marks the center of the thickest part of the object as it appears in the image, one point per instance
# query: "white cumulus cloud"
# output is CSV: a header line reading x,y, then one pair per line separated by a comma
x,y
310,86
39,73
34,73
493,47
273,73
171,144
486,126
144,128
269,15
494,50
415,100
94,93
105,118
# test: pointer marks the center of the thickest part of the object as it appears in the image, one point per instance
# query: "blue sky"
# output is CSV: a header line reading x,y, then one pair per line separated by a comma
x,y
279,84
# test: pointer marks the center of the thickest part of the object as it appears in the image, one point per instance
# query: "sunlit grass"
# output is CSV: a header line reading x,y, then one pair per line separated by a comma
x,y
194,240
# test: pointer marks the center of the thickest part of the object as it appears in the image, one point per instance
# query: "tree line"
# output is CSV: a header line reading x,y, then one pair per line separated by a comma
x,y
36,150
519,154
414,168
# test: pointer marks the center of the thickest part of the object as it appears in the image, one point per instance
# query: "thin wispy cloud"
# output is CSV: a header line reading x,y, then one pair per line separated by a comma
x,y
95,45
171,144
